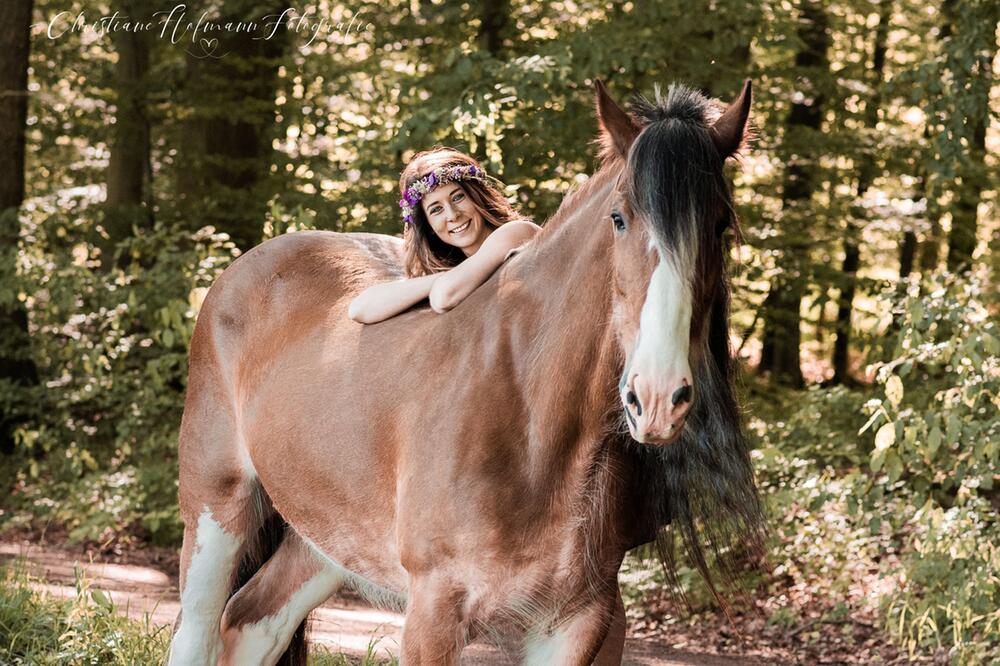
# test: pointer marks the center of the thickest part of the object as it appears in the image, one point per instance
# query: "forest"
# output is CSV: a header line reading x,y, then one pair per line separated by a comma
x,y
145,144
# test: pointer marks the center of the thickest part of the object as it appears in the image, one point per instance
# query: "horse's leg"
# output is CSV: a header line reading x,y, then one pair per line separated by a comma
x,y
219,505
614,642
577,641
260,619
209,558
436,627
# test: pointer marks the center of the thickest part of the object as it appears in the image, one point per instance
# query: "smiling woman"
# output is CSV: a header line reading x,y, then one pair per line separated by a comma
x,y
459,229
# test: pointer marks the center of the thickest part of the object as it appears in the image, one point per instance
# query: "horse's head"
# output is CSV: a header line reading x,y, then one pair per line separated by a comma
x,y
668,213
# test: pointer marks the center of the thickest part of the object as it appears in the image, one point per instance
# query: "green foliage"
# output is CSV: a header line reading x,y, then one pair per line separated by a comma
x,y
99,455
939,422
937,445
908,492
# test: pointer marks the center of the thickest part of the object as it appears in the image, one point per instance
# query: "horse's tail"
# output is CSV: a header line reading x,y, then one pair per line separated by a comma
x,y
259,549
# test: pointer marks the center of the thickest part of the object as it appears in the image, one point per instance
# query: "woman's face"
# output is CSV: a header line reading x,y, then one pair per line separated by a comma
x,y
454,218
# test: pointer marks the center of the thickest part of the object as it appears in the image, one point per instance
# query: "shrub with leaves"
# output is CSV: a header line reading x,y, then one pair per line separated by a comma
x,y
111,346
937,445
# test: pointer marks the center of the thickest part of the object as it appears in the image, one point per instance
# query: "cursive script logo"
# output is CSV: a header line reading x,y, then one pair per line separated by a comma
x,y
176,26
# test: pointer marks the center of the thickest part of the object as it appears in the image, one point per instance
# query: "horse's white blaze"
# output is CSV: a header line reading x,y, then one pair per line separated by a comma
x,y
544,649
206,590
664,324
264,641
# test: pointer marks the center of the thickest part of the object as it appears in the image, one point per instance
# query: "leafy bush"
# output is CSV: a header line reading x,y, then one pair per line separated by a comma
x,y
937,446
111,346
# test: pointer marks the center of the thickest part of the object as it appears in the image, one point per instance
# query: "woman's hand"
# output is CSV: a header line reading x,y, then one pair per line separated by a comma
x,y
452,287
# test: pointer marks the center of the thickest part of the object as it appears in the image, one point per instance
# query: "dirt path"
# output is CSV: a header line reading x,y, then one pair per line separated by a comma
x,y
341,624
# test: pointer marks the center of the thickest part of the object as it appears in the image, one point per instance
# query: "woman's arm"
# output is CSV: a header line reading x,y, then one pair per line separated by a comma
x,y
381,301
452,287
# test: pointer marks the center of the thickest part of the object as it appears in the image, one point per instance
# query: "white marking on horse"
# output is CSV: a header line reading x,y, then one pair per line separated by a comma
x,y
264,641
545,649
375,594
665,321
206,590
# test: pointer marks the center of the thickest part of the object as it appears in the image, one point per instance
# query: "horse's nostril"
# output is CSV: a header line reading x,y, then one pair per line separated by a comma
x,y
683,394
632,400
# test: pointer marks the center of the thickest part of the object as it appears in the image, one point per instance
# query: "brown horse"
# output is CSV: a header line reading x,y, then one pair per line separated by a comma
x,y
475,467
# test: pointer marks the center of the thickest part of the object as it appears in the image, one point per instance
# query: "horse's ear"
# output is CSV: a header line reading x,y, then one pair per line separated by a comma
x,y
730,131
618,129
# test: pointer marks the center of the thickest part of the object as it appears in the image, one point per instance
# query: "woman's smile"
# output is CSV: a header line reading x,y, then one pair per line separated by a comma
x,y
460,228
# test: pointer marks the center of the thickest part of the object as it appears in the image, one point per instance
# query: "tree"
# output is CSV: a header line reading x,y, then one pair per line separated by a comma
x,y
782,334
969,60
17,369
129,168
493,19
866,171
224,175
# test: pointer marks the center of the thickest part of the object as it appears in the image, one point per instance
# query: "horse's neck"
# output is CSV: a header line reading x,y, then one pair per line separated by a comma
x,y
559,301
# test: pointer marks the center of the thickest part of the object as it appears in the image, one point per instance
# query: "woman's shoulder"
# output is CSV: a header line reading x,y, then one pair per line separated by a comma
x,y
511,237
521,228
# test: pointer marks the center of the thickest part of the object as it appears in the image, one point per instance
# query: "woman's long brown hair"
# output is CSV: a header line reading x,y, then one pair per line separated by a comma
x,y
425,252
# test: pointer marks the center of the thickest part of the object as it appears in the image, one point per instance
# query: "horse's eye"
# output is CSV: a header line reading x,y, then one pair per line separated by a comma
x,y
618,221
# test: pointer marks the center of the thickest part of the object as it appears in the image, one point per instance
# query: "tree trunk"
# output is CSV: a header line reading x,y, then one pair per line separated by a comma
x,y
907,254
128,186
225,180
782,332
494,16
866,174
973,178
17,368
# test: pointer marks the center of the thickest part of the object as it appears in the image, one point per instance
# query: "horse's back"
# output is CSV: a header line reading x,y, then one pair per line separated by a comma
x,y
314,267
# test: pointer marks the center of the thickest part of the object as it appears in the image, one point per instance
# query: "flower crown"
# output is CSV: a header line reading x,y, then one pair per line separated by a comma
x,y
415,192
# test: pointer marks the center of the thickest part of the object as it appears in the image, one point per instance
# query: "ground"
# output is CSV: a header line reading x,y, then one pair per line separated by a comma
x,y
145,581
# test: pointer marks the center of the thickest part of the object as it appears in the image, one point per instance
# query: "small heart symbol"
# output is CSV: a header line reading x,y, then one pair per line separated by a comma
x,y
209,45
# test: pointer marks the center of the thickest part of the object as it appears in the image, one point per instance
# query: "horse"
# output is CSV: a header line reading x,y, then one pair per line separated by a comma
x,y
487,469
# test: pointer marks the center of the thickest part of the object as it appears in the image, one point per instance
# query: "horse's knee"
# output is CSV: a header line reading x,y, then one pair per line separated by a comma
x,y
437,625
614,642
589,637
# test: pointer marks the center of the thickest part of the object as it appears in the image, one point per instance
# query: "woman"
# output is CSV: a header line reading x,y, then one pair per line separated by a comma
x,y
458,230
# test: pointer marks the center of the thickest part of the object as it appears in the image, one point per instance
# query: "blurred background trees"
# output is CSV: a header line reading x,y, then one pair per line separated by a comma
x,y
135,167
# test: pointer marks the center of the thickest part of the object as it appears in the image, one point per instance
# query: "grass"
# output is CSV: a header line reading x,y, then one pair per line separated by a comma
x,y
39,628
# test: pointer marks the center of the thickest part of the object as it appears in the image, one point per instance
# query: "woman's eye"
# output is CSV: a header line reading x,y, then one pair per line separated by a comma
x,y
458,197
618,221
